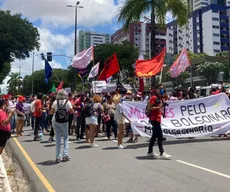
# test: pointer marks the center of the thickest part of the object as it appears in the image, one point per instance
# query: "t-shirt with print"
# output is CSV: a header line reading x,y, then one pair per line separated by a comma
x,y
155,114
61,102
3,117
38,107
79,104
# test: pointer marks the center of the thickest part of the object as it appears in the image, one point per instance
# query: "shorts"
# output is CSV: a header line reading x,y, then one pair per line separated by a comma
x,y
93,119
4,136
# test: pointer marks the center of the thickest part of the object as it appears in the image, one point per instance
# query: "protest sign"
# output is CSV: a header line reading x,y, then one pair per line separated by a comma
x,y
189,118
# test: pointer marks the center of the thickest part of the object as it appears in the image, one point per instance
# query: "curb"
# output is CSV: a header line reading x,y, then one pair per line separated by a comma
x,y
32,177
6,185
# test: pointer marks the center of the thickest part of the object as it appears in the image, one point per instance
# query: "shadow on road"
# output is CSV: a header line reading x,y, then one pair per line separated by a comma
x,y
28,141
145,158
110,148
47,163
176,142
83,147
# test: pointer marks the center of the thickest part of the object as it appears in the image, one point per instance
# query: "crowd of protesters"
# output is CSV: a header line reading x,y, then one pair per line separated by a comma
x,y
61,114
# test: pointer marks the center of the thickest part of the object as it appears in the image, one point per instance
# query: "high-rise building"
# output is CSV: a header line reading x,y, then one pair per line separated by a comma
x,y
198,4
207,31
87,38
139,34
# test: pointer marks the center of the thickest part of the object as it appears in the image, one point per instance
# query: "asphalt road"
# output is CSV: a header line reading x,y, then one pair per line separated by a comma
x,y
199,165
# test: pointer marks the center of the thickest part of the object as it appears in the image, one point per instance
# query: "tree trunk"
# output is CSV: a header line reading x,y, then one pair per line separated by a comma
x,y
153,40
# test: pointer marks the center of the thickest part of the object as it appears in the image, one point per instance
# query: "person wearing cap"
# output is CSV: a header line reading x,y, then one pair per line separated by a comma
x,y
156,105
61,128
20,115
4,128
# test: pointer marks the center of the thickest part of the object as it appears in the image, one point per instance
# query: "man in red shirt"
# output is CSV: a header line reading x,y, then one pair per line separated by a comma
x,y
156,105
38,116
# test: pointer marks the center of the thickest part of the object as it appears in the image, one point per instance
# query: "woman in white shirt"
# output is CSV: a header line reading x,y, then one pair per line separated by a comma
x,y
61,109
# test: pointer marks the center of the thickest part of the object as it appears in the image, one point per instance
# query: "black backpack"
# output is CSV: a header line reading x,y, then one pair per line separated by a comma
x,y
88,110
61,115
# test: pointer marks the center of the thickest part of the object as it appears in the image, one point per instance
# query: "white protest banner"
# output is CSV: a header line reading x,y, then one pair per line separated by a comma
x,y
189,118
82,59
94,71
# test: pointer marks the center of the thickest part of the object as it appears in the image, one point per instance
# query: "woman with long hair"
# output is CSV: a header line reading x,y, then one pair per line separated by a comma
x,y
20,115
92,120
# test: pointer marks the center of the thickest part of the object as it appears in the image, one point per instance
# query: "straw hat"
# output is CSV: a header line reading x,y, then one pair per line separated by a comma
x,y
117,99
62,94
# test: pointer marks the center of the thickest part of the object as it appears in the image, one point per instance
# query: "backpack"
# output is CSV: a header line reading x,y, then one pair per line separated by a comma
x,y
32,107
61,115
88,110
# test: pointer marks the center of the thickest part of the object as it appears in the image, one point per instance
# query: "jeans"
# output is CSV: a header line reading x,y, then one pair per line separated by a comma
x,y
80,124
38,121
112,123
61,128
156,134
12,123
44,123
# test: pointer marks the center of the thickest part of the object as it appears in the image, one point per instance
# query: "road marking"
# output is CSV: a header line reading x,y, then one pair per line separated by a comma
x,y
36,170
204,169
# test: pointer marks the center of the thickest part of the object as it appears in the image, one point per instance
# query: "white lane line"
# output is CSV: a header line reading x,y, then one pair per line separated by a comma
x,y
204,169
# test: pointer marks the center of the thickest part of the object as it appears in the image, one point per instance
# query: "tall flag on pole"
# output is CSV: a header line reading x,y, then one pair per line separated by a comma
x,y
149,68
60,86
48,71
140,57
94,71
180,64
82,72
82,60
111,67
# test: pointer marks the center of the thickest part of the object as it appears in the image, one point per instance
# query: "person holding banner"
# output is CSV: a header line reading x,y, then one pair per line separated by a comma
x,y
155,104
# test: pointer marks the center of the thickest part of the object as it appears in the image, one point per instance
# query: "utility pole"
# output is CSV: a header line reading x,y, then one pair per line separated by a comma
x,y
32,89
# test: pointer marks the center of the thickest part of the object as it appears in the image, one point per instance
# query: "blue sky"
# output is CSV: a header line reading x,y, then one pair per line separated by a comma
x,y
55,22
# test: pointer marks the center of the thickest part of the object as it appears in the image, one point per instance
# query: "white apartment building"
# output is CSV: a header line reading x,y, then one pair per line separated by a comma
x,y
198,4
207,31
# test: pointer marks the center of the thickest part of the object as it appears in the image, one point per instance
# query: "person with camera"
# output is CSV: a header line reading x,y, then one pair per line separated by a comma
x,y
156,105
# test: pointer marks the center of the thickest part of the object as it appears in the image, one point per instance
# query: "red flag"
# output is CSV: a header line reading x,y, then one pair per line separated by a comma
x,y
141,84
111,67
60,86
180,64
149,68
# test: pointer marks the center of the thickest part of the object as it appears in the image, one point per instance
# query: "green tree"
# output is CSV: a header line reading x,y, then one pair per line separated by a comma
x,y
180,80
18,37
127,55
133,10
14,83
210,70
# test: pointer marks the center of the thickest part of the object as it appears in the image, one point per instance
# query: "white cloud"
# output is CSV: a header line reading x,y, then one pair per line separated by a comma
x,y
56,12
56,43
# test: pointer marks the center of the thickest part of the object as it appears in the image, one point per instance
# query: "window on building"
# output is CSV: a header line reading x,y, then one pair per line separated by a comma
x,y
216,51
216,43
215,19
216,35
215,27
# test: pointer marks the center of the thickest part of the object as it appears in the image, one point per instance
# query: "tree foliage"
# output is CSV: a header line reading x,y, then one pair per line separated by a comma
x,y
127,55
14,83
210,70
18,37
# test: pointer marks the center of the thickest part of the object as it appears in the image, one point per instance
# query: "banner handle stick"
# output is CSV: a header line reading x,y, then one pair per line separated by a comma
x,y
56,76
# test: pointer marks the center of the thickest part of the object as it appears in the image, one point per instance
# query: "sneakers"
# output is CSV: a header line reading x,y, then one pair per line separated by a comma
x,y
58,160
37,138
50,140
69,142
153,155
165,156
66,158
120,147
92,145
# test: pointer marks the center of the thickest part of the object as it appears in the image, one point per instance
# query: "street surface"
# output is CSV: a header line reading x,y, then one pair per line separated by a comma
x,y
199,165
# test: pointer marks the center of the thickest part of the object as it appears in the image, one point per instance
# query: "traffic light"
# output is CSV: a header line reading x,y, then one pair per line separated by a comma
x,y
42,56
49,56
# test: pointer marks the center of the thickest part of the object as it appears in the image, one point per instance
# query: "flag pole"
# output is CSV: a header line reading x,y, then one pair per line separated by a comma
x,y
160,81
191,68
56,76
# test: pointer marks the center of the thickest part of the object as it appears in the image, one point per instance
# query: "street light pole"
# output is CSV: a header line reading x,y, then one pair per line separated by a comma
x,y
32,92
75,35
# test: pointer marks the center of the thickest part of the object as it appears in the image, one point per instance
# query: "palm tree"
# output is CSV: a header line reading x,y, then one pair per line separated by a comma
x,y
14,83
133,10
